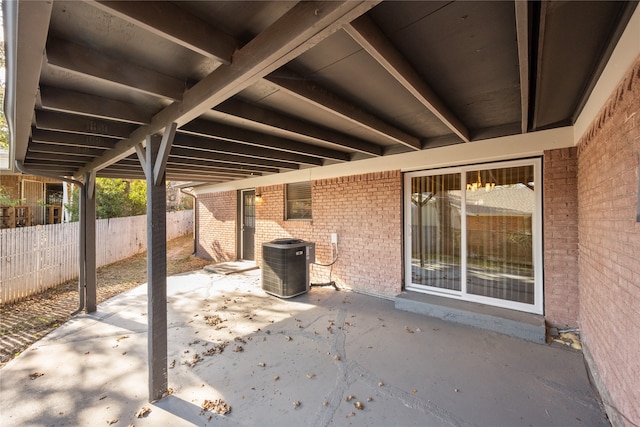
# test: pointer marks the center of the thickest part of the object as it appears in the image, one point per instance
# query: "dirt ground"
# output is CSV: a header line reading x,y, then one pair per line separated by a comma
x,y
25,322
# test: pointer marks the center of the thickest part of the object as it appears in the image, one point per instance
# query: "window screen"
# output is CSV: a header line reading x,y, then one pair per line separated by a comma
x,y
298,200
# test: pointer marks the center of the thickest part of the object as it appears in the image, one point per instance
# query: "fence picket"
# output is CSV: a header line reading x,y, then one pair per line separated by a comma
x,y
33,259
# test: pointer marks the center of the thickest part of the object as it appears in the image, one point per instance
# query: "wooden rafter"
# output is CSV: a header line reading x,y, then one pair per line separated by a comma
x,y
365,32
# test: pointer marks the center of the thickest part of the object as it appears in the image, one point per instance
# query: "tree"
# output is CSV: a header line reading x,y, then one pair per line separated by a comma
x,y
115,198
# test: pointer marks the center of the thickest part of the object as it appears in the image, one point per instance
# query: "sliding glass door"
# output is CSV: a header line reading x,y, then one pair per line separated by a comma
x,y
474,233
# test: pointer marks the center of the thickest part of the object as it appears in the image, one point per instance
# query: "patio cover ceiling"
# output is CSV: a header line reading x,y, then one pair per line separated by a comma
x,y
265,87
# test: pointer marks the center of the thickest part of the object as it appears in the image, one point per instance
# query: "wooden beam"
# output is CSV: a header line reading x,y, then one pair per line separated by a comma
x,y
40,147
156,272
367,34
61,170
51,120
163,151
171,22
542,18
301,28
81,60
142,154
230,159
90,264
327,101
522,33
211,129
57,158
232,109
90,105
26,28
226,147
72,139
204,165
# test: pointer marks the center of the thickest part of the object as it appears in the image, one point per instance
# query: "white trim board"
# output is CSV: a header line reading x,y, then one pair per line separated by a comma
x,y
489,150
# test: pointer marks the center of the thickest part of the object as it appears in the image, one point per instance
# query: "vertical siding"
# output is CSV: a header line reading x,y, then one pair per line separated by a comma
x,y
33,259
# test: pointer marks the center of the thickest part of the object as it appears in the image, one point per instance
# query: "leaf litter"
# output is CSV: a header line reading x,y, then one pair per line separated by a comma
x,y
217,406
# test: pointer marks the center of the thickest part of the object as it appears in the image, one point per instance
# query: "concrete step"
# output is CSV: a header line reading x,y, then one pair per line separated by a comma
x,y
530,327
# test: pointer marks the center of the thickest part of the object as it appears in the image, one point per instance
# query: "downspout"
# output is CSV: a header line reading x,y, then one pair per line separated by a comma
x,y
195,218
82,213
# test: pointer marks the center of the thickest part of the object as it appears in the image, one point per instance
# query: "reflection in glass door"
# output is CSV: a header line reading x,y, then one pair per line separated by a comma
x,y
475,234
500,204
435,231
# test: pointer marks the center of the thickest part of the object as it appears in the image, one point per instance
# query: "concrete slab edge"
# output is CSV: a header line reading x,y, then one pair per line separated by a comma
x,y
497,324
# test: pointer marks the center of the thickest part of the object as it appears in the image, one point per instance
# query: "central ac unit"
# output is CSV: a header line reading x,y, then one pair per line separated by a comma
x,y
285,267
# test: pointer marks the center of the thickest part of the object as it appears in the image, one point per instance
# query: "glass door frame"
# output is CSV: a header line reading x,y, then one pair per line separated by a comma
x,y
536,228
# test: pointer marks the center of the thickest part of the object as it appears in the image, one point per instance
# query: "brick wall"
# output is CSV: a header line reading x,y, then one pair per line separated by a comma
x,y
560,218
216,215
366,213
608,173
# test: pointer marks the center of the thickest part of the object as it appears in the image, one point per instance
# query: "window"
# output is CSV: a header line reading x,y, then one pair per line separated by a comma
x,y
474,233
298,201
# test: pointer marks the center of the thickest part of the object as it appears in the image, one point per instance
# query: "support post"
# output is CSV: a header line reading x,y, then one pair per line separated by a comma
x,y
91,279
156,271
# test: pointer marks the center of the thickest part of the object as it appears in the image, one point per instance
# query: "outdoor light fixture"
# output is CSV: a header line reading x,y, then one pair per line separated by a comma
x,y
258,197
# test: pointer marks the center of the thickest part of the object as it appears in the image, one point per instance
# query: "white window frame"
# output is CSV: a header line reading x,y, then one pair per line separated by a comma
x,y
538,306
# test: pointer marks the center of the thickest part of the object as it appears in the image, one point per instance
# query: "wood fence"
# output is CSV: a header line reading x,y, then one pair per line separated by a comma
x,y
33,259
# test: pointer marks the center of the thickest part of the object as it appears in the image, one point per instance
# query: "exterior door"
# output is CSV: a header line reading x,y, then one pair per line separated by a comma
x,y
474,233
33,194
247,224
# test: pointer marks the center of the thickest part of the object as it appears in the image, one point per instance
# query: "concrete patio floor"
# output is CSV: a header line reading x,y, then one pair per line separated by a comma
x,y
293,362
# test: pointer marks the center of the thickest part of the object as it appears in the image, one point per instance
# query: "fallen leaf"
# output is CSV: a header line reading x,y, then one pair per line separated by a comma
x,y
288,338
112,421
325,403
35,375
336,357
349,398
276,378
359,405
122,337
310,376
262,364
143,412
213,320
217,406
408,330
369,399
238,348
216,349
296,404
380,384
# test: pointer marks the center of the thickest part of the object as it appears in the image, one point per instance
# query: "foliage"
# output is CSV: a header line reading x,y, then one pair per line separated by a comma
x,y
7,200
115,198
118,198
